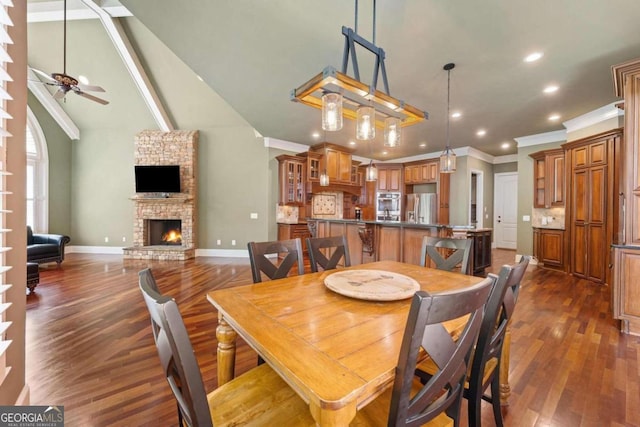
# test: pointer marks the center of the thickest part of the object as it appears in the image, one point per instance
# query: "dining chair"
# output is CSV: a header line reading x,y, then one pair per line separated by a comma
x,y
487,355
262,253
257,397
335,246
438,401
447,253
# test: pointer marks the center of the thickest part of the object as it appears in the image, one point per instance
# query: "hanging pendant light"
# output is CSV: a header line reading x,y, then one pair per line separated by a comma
x,y
365,123
331,111
391,132
371,173
324,176
448,157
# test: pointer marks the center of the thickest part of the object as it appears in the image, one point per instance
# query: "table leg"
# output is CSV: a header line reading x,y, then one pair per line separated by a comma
x,y
505,388
226,351
333,417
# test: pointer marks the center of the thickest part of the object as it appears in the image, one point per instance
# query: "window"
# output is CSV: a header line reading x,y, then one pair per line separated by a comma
x,y
37,175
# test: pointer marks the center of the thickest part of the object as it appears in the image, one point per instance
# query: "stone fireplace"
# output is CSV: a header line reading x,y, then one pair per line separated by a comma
x,y
164,228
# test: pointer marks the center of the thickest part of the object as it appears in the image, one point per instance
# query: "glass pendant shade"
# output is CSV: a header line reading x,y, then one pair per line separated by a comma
x,y
331,111
365,123
371,173
391,132
448,161
324,179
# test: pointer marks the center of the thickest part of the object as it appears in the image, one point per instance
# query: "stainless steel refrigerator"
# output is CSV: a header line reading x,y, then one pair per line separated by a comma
x,y
421,208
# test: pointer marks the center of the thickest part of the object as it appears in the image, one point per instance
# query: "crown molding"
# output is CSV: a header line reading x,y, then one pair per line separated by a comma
x,y
285,145
591,118
541,138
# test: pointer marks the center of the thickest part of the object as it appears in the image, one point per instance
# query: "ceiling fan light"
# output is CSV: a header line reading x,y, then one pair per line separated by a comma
x,y
365,123
331,111
392,132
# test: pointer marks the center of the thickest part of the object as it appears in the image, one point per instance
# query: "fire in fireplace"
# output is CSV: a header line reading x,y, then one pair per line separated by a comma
x,y
164,232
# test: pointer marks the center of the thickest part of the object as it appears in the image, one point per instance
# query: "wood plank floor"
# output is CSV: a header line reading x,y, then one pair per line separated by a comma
x,y
89,344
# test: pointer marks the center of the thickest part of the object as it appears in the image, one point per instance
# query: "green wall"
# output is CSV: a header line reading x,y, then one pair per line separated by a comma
x,y
59,147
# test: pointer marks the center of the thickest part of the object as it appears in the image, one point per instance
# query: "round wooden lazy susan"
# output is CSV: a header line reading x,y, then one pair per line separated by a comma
x,y
374,285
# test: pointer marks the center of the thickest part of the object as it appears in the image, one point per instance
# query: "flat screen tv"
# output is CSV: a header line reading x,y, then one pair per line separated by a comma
x,y
157,179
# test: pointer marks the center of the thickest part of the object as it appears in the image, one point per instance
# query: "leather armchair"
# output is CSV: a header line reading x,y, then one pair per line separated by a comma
x,y
43,248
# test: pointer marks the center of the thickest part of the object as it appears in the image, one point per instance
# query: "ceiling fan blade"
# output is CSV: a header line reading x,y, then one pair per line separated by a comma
x,y
60,93
91,88
91,97
45,75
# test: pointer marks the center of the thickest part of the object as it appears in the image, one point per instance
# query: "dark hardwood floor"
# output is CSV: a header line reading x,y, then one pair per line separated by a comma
x,y
89,344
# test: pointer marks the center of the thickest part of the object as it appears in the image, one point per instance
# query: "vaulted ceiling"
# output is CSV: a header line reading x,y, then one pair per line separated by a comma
x,y
253,53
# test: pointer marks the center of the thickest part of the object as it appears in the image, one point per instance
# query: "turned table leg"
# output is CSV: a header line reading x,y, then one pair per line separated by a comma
x,y
505,388
226,351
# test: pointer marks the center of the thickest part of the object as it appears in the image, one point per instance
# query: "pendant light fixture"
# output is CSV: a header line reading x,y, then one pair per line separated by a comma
x,y
365,123
324,176
448,157
371,173
331,111
391,132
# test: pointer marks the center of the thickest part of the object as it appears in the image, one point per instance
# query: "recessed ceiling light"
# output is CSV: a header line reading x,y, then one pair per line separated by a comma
x,y
550,89
554,117
532,57
481,132
456,114
505,145
424,144
83,79
352,143
384,152
315,135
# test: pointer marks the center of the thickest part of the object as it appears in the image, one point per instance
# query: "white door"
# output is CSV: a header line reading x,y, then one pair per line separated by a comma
x,y
505,210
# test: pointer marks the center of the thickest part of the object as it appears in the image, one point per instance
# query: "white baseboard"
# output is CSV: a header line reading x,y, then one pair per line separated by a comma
x,y
115,250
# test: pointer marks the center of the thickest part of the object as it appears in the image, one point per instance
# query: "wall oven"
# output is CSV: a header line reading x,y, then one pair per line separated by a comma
x,y
388,206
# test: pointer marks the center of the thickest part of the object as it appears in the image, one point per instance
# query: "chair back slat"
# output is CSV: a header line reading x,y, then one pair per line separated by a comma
x,y
336,246
176,353
447,253
260,253
442,392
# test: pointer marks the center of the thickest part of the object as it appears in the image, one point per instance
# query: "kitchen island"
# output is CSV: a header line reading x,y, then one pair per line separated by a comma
x,y
371,241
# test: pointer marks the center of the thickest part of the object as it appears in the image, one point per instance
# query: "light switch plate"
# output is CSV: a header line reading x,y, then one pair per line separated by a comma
x,y
526,218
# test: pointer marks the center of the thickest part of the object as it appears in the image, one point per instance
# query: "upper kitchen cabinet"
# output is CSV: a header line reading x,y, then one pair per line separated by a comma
x,y
548,178
336,160
291,179
389,177
421,172
312,165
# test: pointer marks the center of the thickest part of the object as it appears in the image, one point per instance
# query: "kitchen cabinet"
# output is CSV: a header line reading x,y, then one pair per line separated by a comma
x,y
421,172
295,231
548,247
444,186
291,179
389,177
312,165
626,292
548,178
591,204
336,160
480,250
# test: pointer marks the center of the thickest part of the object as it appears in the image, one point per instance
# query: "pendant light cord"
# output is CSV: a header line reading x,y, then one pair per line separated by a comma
x,y
448,104
64,45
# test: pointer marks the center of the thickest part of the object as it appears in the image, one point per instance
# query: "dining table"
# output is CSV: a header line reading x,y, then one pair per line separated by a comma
x,y
337,351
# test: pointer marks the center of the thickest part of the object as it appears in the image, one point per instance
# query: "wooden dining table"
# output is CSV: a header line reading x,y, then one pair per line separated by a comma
x,y
337,352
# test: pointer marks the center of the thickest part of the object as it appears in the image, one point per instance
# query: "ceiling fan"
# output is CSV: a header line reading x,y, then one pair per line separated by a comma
x,y
65,82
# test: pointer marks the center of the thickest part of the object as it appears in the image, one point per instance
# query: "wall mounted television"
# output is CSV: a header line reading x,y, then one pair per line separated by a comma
x,y
157,179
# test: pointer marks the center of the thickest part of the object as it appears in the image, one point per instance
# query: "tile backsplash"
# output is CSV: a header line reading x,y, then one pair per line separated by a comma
x,y
548,218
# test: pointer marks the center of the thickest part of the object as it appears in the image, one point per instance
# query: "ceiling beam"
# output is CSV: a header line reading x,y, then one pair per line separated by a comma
x,y
135,68
51,105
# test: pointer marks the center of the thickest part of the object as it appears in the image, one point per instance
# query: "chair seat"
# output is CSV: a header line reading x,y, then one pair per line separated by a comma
x,y
376,413
258,397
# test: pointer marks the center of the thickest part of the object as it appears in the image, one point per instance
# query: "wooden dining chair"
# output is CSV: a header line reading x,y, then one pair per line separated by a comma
x,y
447,253
264,258
487,355
258,397
335,247
438,401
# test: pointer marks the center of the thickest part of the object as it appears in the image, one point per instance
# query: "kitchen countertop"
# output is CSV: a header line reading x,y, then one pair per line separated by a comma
x,y
402,224
548,227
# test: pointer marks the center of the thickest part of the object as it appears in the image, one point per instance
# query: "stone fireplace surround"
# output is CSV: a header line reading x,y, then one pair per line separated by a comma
x,y
166,148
